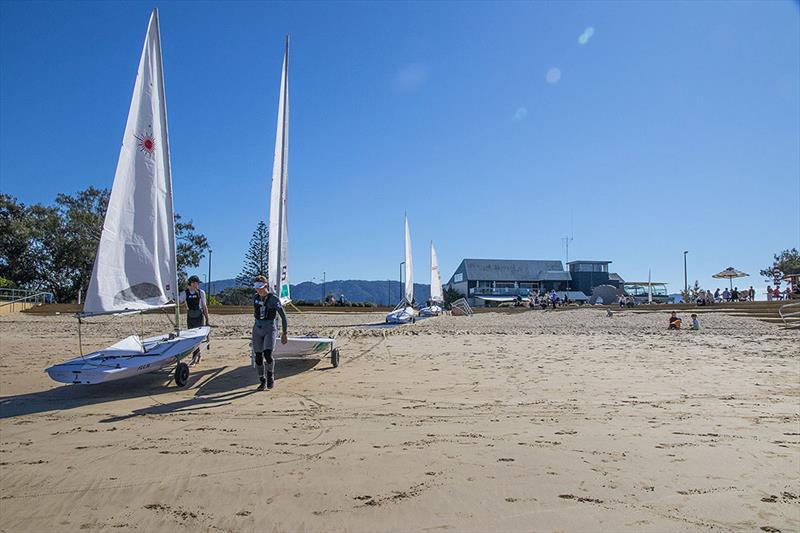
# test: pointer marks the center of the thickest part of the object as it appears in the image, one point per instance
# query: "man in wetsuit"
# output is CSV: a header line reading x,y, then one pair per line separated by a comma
x,y
266,307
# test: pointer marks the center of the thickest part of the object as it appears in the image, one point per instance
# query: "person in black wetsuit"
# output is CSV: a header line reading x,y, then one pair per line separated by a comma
x,y
266,308
195,299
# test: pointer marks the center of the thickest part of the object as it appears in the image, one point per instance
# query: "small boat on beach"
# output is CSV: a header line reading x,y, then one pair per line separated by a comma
x,y
297,347
135,269
404,311
434,307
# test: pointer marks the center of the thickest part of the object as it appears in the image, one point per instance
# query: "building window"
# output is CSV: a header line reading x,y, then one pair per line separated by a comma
x,y
458,278
505,285
485,284
528,285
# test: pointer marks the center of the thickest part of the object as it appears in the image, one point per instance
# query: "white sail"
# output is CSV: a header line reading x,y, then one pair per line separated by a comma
x,y
436,280
135,266
278,227
409,267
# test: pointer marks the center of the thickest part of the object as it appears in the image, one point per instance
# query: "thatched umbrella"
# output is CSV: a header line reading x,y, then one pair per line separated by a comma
x,y
730,273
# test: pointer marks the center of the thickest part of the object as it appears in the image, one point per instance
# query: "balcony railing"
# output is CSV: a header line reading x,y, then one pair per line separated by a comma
x,y
499,291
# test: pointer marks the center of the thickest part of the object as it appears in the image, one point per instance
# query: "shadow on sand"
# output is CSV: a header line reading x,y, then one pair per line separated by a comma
x,y
214,387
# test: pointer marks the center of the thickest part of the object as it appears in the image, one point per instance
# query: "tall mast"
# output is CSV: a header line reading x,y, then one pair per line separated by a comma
x,y
284,133
170,210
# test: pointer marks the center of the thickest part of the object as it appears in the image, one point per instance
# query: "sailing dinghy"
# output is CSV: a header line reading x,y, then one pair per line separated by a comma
x,y
437,298
135,269
404,312
297,347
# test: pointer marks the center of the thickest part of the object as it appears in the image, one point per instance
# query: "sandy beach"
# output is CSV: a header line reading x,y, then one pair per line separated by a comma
x,y
534,421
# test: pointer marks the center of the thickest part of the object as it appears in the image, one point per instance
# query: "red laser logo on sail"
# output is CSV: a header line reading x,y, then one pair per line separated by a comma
x,y
147,143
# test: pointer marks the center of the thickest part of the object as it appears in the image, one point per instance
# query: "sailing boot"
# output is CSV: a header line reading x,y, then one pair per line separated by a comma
x,y
270,380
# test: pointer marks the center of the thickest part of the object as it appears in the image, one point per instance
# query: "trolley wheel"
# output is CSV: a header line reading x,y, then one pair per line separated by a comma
x,y
181,374
335,357
413,320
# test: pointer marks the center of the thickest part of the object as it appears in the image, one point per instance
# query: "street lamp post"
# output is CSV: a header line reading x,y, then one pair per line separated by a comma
x,y
324,292
208,286
685,276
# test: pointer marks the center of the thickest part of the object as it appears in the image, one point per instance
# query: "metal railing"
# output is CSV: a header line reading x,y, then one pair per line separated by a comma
x,y
500,291
790,313
14,296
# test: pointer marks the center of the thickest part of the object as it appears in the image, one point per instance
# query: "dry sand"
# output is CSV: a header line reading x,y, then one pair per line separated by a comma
x,y
538,421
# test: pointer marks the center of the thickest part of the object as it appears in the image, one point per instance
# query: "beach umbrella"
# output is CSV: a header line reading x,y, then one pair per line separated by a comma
x,y
730,273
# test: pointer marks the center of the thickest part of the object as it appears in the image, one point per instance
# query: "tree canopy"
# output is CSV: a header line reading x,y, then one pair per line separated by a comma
x,y
256,260
787,262
52,248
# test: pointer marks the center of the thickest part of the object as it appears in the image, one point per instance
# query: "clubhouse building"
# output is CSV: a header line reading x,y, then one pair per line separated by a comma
x,y
493,281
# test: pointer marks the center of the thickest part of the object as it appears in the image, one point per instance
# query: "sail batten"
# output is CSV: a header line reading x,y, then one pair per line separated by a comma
x,y
135,265
278,216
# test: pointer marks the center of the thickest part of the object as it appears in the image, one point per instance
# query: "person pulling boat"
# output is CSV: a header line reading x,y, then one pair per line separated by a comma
x,y
266,307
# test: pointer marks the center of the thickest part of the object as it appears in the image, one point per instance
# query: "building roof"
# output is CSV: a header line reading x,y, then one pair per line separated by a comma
x,y
555,275
509,269
591,262
613,276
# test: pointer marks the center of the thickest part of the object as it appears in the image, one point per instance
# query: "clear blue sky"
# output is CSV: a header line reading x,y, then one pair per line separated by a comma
x,y
667,126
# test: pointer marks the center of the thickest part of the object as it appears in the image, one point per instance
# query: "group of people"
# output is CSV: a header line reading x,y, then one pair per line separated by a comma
x,y
734,295
266,309
546,300
774,293
675,321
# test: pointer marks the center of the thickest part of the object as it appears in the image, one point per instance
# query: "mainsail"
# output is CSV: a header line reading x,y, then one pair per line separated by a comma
x,y
409,267
135,267
278,228
436,280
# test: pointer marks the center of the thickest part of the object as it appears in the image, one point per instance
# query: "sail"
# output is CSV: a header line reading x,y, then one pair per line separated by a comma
x,y
135,266
278,228
436,280
409,268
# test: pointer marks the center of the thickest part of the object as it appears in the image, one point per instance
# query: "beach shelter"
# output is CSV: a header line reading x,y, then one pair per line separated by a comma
x,y
730,273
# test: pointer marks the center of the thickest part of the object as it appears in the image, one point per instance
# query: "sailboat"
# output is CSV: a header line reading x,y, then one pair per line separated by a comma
x,y
296,347
135,269
404,312
434,307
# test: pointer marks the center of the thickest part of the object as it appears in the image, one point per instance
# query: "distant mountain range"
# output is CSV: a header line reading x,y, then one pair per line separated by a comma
x,y
354,290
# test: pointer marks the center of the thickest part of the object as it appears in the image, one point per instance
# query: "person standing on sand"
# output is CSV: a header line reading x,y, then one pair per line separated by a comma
x,y
752,293
266,308
196,309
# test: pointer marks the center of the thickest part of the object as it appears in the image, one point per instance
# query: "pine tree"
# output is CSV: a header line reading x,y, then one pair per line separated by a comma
x,y
256,260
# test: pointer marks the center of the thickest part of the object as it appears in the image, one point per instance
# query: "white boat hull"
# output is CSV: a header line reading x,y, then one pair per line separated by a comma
x,y
433,310
116,363
401,316
303,347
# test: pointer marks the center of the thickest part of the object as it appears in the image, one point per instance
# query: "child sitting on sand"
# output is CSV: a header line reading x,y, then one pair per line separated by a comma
x,y
695,322
674,321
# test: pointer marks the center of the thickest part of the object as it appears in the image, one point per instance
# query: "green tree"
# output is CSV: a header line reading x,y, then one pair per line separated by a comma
x,y
53,248
16,255
191,248
786,262
256,260
689,296
451,295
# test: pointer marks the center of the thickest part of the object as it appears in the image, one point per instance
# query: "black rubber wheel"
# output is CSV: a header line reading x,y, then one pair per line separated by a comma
x,y
335,357
181,374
